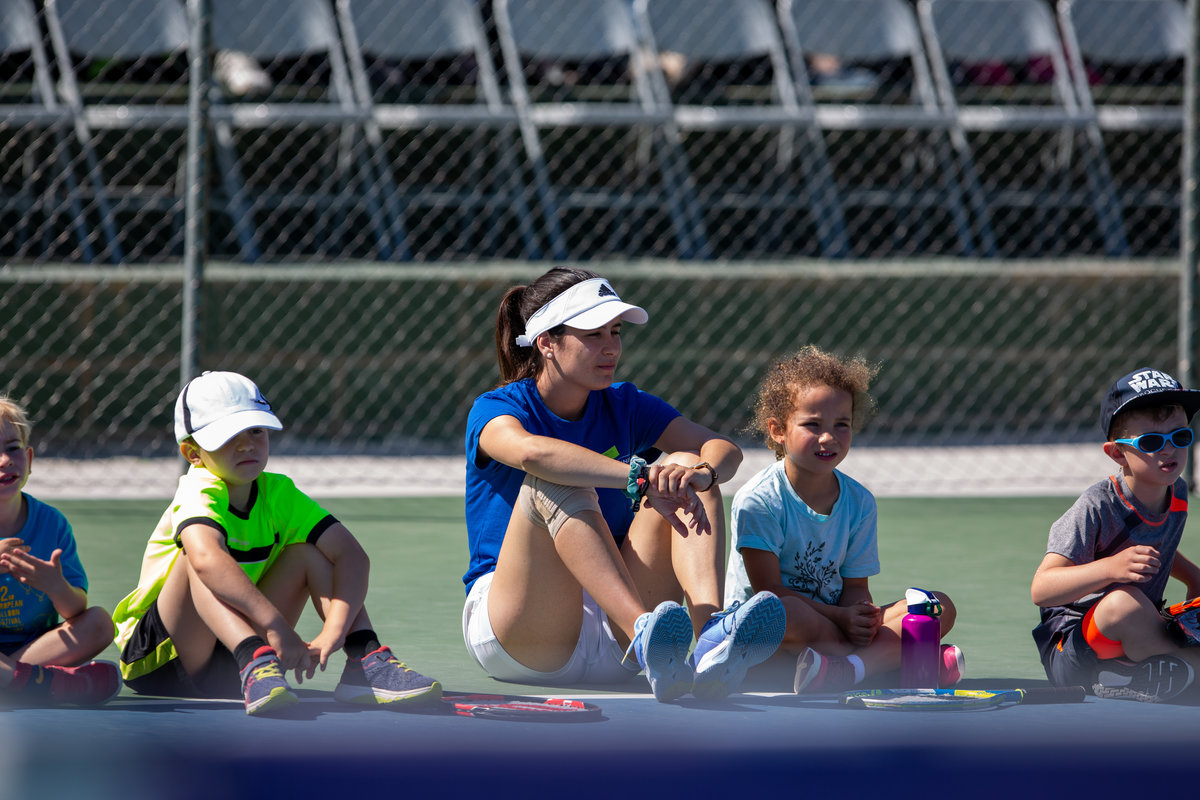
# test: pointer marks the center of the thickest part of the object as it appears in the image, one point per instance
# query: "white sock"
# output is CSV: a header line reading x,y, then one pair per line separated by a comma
x,y
860,671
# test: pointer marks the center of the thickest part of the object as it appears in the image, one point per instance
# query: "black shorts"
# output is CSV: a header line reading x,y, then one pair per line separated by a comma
x,y
1066,656
150,666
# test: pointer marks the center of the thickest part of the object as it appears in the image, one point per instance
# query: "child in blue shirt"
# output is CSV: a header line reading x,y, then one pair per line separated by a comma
x,y
806,532
44,660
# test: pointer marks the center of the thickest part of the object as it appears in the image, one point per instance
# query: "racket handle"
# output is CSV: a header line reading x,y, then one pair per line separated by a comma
x,y
1049,695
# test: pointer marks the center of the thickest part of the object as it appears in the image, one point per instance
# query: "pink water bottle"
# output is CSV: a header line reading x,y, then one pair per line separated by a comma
x,y
920,637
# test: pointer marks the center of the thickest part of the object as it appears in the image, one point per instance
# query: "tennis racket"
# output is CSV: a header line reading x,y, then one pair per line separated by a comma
x,y
960,699
1185,619
522,709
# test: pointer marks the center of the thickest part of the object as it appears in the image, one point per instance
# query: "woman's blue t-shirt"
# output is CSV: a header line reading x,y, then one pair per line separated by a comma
x,y
620,422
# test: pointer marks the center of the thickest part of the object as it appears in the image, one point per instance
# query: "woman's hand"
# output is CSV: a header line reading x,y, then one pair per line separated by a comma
x,y
672,489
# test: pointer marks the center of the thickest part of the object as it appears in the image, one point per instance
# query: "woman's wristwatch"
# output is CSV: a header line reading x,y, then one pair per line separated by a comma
x,y
711,471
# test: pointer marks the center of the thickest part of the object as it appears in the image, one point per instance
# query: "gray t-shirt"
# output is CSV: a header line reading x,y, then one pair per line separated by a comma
x,y
1107,518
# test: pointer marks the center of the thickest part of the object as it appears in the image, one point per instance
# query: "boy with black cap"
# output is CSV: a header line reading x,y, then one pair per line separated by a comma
x,y
1101,584
231,565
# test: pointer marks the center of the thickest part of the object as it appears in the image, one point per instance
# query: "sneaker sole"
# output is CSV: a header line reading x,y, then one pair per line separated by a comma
x,y
1155,680
806,670
279,699
379,698
758,636
667,644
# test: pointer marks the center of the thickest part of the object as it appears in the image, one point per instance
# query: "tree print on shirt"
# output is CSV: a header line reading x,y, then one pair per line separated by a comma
x,y
812,574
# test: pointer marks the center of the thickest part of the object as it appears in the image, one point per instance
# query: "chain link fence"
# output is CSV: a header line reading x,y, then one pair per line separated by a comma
x,y
983,196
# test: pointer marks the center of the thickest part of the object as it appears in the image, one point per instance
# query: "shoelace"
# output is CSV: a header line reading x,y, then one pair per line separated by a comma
x,y
267,670
637,631
725,612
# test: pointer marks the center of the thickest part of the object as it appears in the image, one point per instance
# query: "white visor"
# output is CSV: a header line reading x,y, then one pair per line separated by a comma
x,y
586,306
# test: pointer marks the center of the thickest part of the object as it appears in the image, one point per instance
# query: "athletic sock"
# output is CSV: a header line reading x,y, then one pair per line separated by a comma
x,y
860,671
359,643
244,652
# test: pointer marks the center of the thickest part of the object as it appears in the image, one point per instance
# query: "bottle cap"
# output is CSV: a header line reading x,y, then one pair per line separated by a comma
x,y
922,602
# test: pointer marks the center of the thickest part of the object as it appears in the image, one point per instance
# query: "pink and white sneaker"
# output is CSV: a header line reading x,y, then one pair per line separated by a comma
x,y
952,667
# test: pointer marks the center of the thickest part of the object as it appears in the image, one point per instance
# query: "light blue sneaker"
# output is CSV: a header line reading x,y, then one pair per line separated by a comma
x,y
660,642
734,640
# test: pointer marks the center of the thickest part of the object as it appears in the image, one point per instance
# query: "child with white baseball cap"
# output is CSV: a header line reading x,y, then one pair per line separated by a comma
x,y
223,624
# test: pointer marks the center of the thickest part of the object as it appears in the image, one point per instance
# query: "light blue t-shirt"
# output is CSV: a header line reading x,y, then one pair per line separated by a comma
x,y
815,551
26,612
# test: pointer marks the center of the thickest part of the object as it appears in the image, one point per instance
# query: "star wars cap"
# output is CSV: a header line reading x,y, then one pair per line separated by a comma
x,y
1146,387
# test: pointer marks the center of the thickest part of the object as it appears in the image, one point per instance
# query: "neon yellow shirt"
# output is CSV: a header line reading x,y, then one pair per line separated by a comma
x,y
279,515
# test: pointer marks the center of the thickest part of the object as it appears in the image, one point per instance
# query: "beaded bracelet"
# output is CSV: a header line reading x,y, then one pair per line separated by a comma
x,y
638,483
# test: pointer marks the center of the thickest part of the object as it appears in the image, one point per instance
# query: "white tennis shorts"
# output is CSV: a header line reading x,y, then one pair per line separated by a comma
x,y
596,659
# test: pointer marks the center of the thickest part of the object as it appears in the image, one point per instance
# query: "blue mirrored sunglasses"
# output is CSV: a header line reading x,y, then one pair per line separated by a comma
x,y
1153,442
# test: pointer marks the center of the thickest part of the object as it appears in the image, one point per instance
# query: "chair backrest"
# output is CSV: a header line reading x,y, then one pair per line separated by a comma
x,y
731,51
883,32
18,27
418,51
1130,31
415,28
19,34
272,29
712,30
1021,33
569,29
855,30
128,30
1000,30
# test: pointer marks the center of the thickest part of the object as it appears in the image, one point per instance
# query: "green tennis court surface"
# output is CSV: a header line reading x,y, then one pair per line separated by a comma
x,y
981,551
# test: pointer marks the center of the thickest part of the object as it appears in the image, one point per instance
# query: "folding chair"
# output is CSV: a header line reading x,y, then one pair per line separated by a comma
x,y
1000,69
299,149
899,177
608,171
122,69
757,158
37,186
1127,60
442,136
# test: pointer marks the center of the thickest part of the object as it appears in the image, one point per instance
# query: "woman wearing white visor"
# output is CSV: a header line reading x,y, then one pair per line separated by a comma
x,y
580,550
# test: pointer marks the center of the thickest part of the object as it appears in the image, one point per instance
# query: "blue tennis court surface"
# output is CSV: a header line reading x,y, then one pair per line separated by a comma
x,y
140,747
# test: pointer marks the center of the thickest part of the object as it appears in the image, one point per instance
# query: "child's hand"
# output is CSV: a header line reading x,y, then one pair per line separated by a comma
x,y
325,645
861,622
1137,564
45,576
293,652
10,545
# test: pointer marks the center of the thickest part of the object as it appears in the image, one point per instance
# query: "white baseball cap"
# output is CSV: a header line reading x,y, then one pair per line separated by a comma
x,y
217,406
587,305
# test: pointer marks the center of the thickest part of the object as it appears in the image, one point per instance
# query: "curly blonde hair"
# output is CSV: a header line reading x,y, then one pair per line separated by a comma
x,y
811,367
